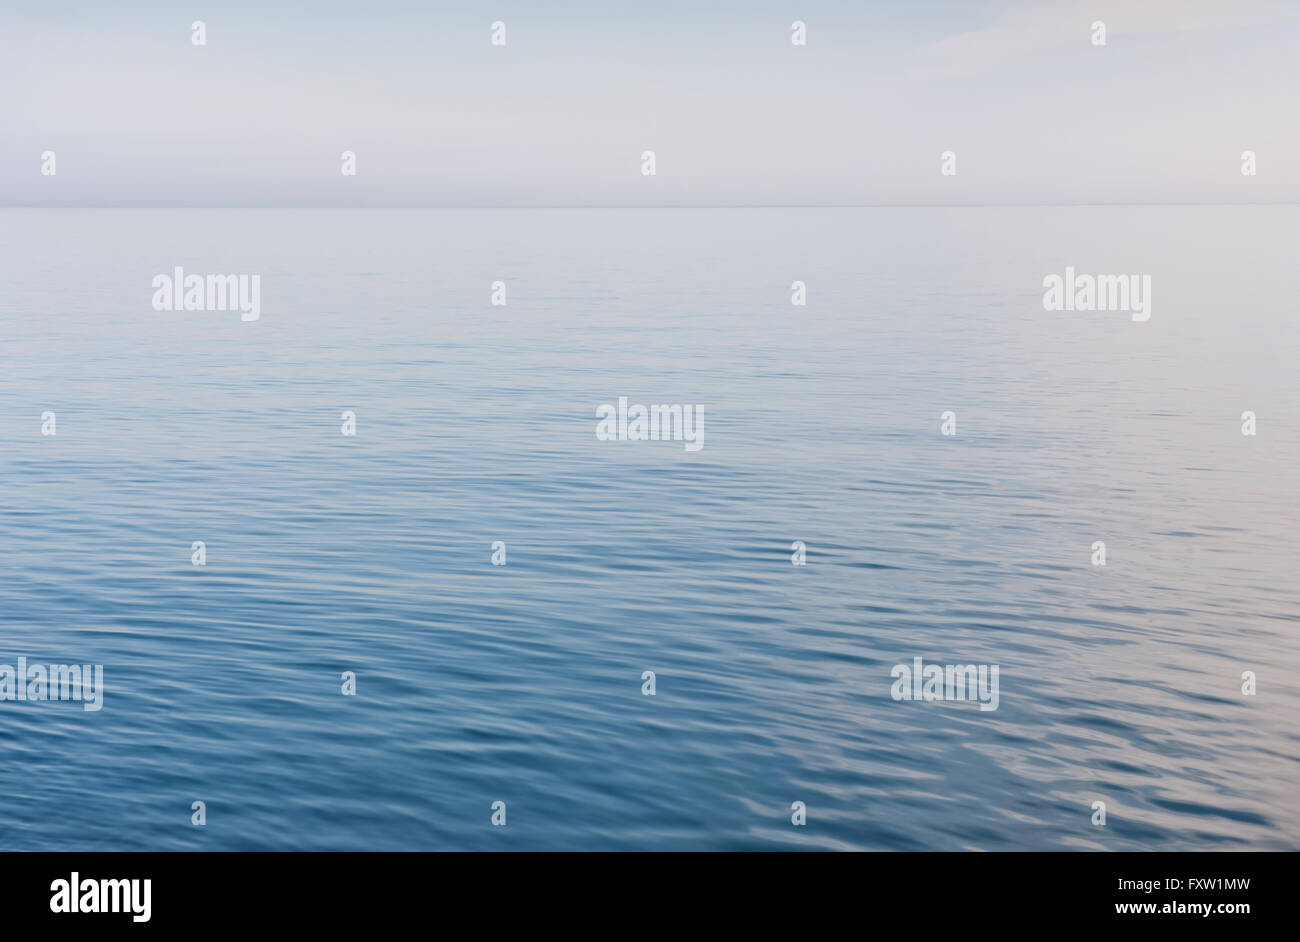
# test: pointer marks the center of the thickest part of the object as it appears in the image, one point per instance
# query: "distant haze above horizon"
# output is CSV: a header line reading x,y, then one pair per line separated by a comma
x,y
736,114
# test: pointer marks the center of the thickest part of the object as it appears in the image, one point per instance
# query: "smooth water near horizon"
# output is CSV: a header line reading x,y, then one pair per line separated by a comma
x,y
522,683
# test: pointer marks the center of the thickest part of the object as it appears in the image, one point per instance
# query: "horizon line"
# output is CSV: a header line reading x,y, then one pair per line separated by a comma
x,y
441,206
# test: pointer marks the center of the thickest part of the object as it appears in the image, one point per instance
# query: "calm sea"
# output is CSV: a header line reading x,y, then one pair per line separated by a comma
x,y
522,683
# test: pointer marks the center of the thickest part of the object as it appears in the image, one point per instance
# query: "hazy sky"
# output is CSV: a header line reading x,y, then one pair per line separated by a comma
x,y
438,116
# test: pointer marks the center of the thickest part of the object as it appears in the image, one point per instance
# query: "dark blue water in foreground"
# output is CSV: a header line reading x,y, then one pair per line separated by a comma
x,y
523,683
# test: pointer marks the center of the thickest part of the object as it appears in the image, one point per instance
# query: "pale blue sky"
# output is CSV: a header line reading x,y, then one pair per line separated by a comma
x,y
736,115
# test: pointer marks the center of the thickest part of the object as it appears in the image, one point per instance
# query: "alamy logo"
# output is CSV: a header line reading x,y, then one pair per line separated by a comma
x,y
75,895
1098,293
55,682
919,681
638,423
181,292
